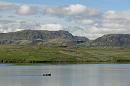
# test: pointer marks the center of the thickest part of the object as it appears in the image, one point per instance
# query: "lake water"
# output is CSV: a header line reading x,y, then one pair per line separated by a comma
x,y
65,75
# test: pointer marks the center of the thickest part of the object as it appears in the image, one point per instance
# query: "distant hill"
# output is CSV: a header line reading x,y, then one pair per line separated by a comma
x,y
112,40
47,38
62,38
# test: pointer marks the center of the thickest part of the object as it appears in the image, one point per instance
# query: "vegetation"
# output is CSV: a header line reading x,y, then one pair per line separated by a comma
x,y
112,40
40,54
47,38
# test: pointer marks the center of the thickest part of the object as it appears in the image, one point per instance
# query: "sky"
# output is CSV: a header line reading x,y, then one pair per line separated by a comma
x,y
89,18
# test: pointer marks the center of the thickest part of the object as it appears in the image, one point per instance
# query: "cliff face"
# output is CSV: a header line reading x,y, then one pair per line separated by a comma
x,y
112,40
42,37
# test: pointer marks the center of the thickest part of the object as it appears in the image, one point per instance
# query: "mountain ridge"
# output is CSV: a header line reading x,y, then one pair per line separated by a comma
x,y
112,40
60,37
63,39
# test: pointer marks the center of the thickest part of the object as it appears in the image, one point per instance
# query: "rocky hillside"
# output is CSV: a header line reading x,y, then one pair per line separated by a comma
x,y
48,38
63,39
112,40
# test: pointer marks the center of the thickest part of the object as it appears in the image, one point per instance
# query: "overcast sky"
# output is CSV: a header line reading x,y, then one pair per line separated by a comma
x,y
90,18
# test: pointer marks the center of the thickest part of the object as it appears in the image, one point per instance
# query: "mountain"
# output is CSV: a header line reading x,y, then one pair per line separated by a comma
x,y
47,38
112,40
62,38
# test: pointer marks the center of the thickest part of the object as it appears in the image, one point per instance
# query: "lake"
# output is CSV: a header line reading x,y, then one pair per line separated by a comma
x,y
65,75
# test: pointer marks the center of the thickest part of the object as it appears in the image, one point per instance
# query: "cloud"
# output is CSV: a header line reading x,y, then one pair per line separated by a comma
x,y
116,21
75,18
20,9
4,28
52,27
28,25
103,30
74,9
26,10
82,20
109,22
92,27
111,14
7,6
6,21
90,35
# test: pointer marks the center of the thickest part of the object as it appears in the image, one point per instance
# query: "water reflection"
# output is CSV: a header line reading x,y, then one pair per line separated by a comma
x,y
65,75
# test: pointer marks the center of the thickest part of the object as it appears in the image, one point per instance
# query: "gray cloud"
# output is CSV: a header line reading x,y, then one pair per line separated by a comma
x,y
6,21
26,10
71,10
77,19
11,27
110,22
7,6
19,9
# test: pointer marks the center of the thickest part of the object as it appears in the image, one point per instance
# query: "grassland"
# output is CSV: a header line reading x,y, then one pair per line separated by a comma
x,y
40,54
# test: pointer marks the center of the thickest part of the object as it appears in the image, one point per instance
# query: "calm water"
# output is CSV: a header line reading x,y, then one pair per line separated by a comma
x,y
65,75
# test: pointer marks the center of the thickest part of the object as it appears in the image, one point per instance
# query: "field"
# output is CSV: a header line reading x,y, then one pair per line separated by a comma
x,y
40,54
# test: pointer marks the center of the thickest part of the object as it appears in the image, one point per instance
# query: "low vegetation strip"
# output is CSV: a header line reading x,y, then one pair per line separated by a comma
x,y
41,54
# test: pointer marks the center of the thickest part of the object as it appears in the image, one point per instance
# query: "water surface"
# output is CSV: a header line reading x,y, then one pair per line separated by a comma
x,y
65,75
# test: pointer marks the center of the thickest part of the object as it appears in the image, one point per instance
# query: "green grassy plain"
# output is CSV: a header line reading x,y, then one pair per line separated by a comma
x,y
40,54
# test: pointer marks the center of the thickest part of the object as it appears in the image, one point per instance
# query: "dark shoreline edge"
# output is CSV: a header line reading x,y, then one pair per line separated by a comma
x,y
69,62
